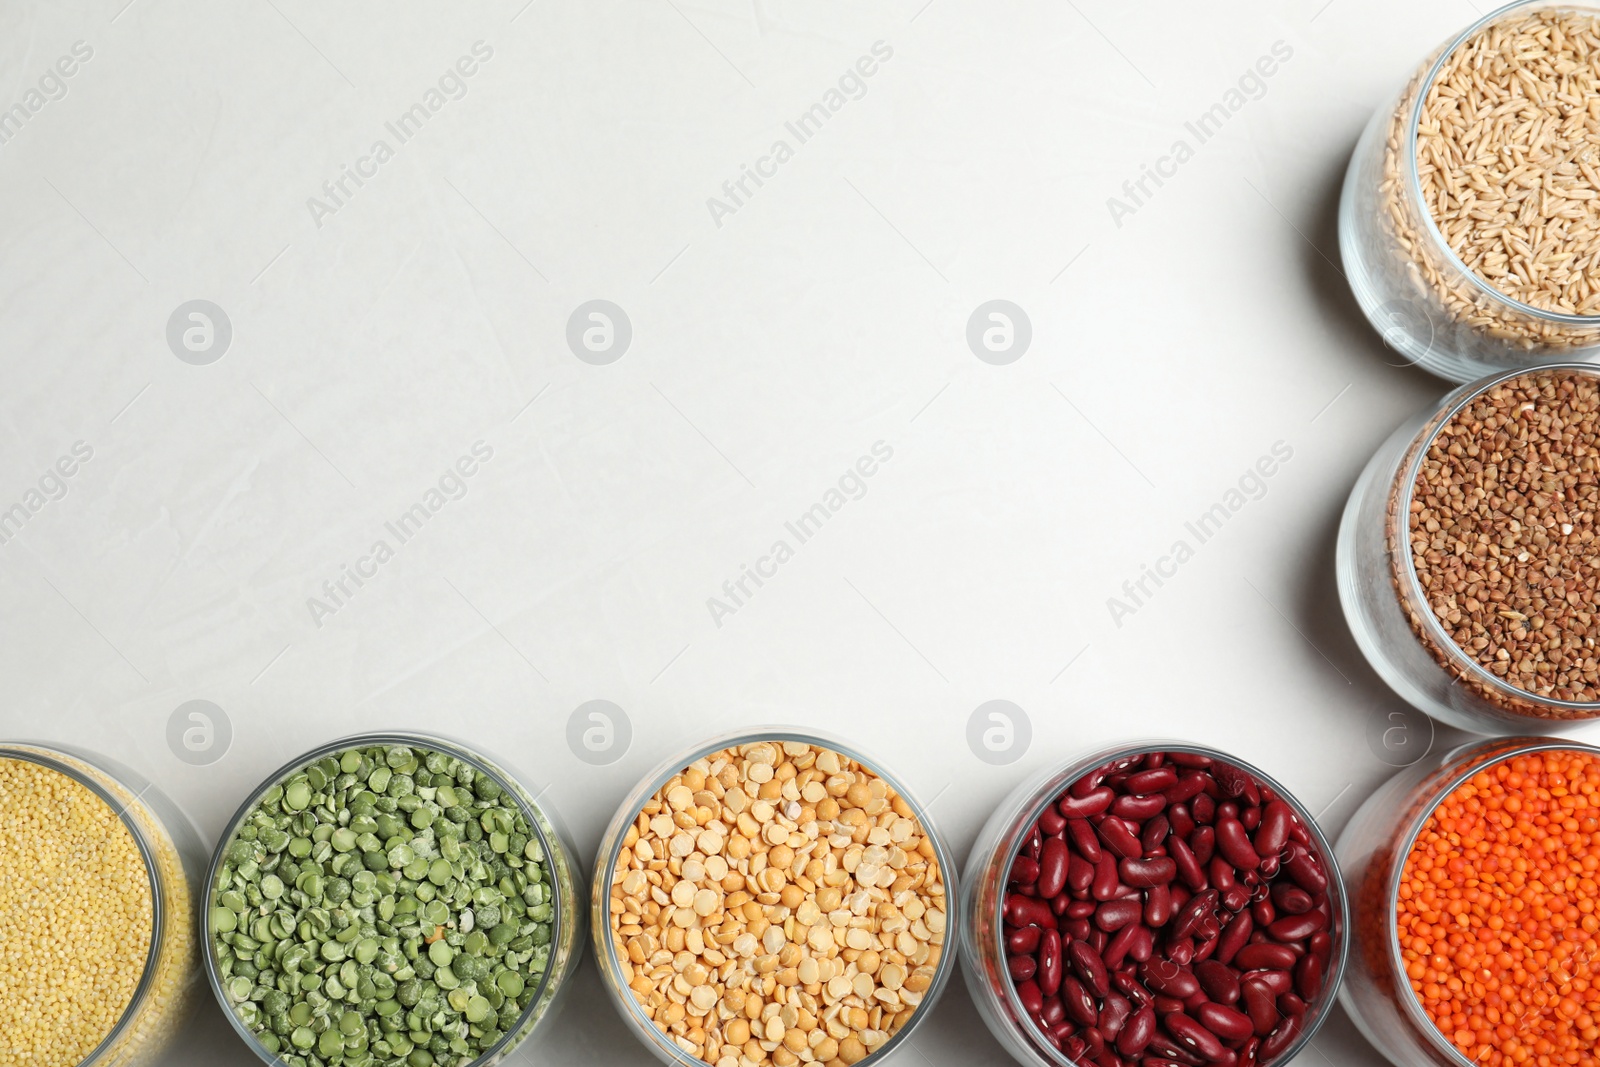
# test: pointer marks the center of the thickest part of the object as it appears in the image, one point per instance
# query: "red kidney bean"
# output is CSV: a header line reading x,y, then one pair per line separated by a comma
x,y
1232,780
1181,953
1151,781
1201,906
1269,867
1183,823
1053,867
1185,789
1119,837
1273,833
1063,1031
1158,1061
1025,939
1168,1049
1049,963
1114,1016
1154,834
1137,1032
1088,966
1080,875
1308,977
1078,1002
1307,873
1021,967
1106,883
1235,897
1077,929
1247,1055
1094,1042
1186,864
1051,822
1113,915
1143,873
1084,839
1165,1006
1291,899
1097,940
1119,946
1053,1012
1025,911
1219,981
1080,909
1234,844
1203,841
1234,937
1277,982
1168,979
1233,1027
1290,1004
1139,808
1193,1036
1274,1044
1263,912
1093,803
1298,833
1024,871
1158,906
1033,843
1297,927
1203,807
1264,956
1260,1003
1032,999
1088,783
1250,818
1193,760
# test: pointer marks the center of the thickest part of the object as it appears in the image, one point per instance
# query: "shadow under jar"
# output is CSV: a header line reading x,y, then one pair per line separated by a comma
x,y
391,900
1478,850
773,896
1497,490
1503,281
123,826
1228,951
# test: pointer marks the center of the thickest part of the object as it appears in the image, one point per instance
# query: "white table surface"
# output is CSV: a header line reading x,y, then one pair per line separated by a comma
x,y
826,313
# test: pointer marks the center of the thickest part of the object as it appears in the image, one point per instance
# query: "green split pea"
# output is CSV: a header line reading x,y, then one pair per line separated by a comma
x,y
383,907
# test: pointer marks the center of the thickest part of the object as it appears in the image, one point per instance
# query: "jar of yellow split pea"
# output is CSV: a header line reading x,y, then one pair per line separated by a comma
x,y
98,872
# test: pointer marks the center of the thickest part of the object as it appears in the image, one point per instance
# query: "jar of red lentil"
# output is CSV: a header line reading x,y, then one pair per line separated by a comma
x,y
107,870
1473,898
770,895
1466,555
1469,235
1209,925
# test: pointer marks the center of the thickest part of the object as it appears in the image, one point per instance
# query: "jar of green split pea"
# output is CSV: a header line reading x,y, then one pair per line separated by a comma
x,y
391,900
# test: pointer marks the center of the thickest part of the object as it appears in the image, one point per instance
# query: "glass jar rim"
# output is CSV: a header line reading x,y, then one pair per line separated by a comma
x,y
605,869
1076,767
410,739
1430,225
1408,472
1484,754
60,760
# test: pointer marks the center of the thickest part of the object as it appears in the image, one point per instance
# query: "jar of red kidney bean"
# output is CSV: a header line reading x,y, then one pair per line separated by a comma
x,y
1154,905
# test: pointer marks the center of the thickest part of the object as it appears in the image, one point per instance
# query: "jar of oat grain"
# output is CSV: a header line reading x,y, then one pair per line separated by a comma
x,y
1470,219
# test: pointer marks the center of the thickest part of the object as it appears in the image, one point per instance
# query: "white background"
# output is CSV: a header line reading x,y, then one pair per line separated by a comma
x,y
768,354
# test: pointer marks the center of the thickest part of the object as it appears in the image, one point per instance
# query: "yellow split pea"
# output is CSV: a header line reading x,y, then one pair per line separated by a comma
x,y
778,904
75,917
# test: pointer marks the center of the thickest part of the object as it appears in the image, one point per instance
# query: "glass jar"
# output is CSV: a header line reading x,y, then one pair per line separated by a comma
x,y
609,953
1388,612
1412,286
174,858
566,937
1372,851
1000,842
